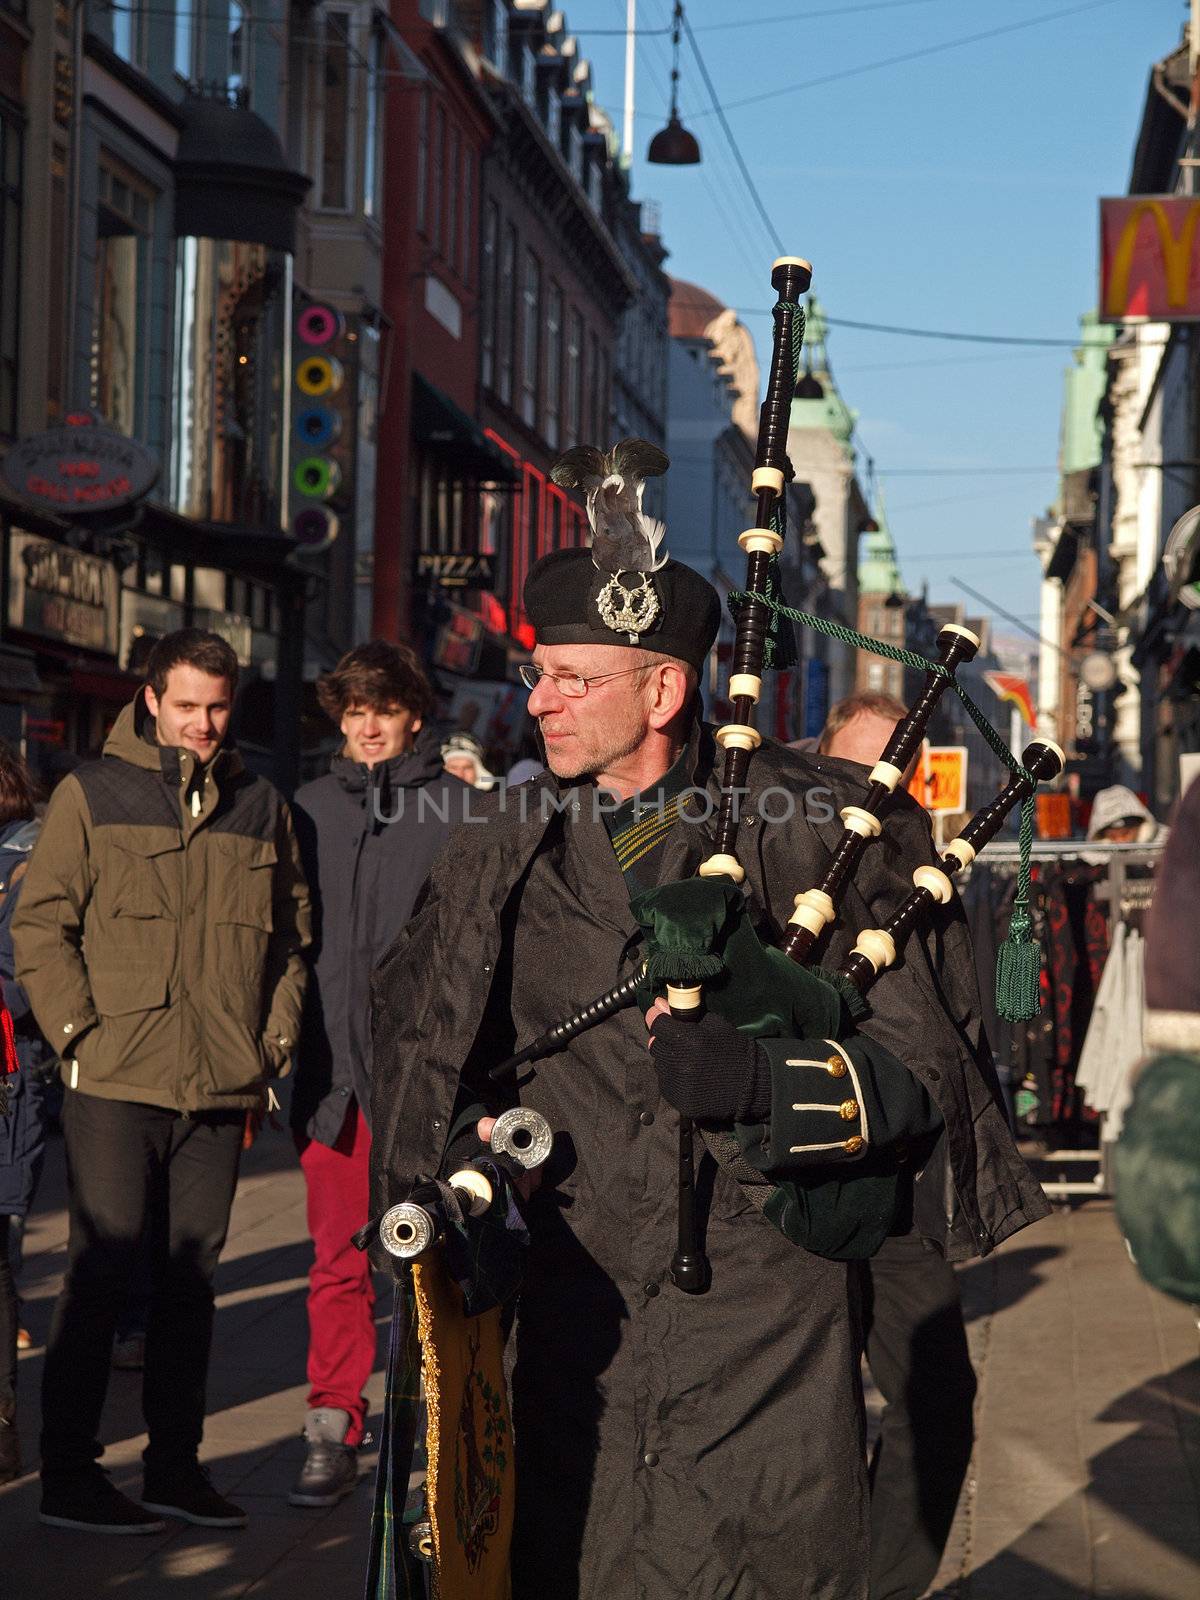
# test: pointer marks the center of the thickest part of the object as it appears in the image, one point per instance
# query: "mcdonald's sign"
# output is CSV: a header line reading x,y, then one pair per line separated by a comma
x,y
1149,271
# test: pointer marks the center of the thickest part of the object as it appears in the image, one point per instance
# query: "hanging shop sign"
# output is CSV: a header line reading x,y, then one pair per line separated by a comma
x,y
82,467
455,571
62,594
1149,270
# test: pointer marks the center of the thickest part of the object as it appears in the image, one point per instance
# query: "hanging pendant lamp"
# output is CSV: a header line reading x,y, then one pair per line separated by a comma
x,y
674,146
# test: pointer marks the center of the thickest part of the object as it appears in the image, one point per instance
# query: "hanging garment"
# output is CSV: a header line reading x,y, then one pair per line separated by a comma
x,y
1115,1040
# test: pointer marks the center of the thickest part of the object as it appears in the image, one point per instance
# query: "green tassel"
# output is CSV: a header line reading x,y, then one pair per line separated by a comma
x,y
683,966
1019,972
851,994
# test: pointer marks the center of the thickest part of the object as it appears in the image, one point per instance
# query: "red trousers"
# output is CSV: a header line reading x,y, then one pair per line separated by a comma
x,y
341,1299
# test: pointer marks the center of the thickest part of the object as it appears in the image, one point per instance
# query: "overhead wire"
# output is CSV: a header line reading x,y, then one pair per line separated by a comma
x,y
712,173
913,55
756,22
733,144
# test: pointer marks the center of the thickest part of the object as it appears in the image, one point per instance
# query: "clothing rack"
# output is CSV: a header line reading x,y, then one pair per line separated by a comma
x,y
1122,894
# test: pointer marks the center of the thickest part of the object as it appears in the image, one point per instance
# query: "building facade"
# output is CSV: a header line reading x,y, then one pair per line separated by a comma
x,y
156,214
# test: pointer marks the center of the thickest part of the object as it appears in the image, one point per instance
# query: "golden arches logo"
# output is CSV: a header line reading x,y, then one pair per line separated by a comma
x,y
1176,254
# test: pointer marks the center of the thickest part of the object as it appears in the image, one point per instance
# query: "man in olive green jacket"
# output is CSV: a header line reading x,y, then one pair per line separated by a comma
x,y
160,938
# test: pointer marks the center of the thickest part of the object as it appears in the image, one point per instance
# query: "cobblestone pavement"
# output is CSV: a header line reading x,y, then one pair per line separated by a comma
x,y
1084,1482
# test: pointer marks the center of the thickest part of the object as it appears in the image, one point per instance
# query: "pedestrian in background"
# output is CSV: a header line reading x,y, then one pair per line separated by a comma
x,y
462,754
369,831
22,1118
160,936
916,1340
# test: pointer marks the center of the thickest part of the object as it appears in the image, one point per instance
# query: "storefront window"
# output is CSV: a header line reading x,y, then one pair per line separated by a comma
x,y
123,225
230,400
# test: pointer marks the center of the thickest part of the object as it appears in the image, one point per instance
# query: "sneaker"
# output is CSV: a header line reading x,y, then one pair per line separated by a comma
x,y
89,1502
129,1355
186,1492
10,1450
330,1469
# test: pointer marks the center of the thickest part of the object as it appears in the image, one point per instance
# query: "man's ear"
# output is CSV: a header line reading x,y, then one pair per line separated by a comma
x,y
151,701
672,696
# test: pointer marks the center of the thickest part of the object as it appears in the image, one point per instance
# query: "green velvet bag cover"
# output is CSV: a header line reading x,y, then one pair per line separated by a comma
x,y
699,931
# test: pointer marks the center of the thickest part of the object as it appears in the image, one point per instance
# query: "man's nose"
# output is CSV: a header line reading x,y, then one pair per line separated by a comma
x,y
543,695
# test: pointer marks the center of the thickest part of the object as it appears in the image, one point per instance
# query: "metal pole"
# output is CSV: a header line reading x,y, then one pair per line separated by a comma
x,y
630,52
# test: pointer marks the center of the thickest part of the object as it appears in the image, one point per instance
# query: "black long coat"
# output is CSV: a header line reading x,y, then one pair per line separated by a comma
x,y
666,1446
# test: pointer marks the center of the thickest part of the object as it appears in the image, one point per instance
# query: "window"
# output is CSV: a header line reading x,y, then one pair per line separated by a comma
x,y
498,36
452,197
56,289
335,112
123,228
554,118
575,152
528,78
423,163
465,262
10,269
553,374
506,314
185,33
488,295
574,376
437,176
602,410
592,392
127,30
238,42
530,338
372,162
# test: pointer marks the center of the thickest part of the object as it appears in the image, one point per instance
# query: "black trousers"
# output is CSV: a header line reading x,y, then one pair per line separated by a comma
x,y
917,1351
8,1327
137,1172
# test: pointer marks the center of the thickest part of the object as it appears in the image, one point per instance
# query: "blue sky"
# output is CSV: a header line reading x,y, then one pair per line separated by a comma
x,y
957,191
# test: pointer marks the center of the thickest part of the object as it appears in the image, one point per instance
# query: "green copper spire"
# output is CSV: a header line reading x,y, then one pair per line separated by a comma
x,y
878,566
825,409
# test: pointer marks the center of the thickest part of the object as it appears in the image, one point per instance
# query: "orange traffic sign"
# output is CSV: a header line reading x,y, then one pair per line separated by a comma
x,y
940,781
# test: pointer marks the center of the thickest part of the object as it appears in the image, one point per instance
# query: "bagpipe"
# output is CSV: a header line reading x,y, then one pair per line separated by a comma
x,y
462,1236
700,944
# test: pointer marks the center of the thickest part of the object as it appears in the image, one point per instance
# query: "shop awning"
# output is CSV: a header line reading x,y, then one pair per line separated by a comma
x,y
441,425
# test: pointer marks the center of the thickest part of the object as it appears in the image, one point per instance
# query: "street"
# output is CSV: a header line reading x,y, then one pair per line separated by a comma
x,y
1085,1478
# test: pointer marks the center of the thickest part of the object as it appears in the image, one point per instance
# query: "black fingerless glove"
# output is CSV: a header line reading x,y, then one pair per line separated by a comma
x,y
710,1071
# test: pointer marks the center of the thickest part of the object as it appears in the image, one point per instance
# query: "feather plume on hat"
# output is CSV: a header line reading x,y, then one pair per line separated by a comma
x,y
624,539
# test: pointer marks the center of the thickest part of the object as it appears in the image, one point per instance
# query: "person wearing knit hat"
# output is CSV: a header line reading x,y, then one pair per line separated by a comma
x,y
462,755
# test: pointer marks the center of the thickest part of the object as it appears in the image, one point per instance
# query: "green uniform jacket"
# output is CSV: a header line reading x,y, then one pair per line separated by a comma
x,y
162,925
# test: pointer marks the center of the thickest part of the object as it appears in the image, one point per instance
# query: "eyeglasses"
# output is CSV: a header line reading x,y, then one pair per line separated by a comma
x,y
571,685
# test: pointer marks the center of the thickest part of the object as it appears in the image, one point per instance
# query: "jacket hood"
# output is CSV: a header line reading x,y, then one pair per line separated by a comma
x,y
1119,804
411,770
